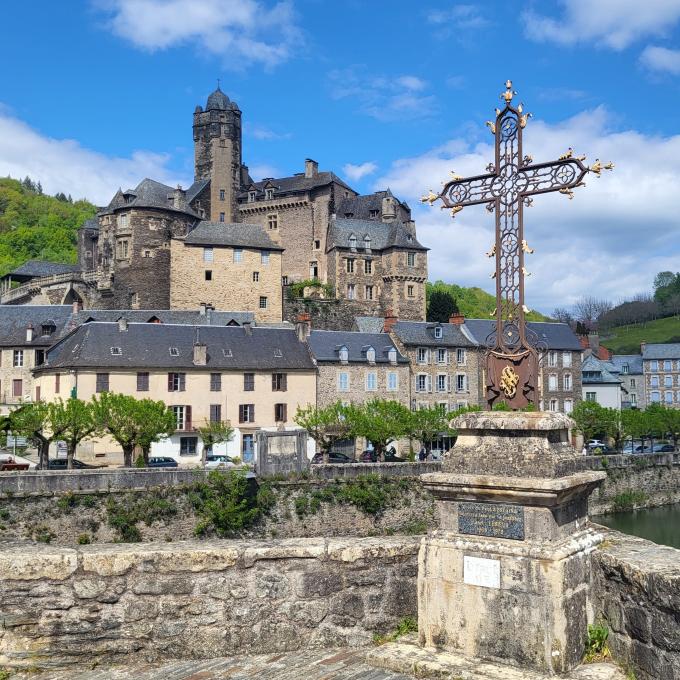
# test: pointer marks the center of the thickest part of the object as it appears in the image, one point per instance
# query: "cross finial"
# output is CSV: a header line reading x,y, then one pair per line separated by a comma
x,y
218,83
509,92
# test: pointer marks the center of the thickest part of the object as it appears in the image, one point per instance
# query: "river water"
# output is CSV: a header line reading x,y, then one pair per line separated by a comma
x,y
661,525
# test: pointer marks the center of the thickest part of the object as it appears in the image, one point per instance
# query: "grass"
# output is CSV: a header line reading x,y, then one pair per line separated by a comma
x,y
627,500
597,648
627,339
407,625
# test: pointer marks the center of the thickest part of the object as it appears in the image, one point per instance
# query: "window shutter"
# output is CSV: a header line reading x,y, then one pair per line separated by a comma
x,y
169,382
284,383
252,413
182,381
187,418
429,383
448,383
240,413
274,382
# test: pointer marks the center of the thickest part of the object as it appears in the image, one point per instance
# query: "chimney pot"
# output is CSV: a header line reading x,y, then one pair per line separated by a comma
x,y
122,324
303,326
200,354
457,319
248,327
311,168
390,320
77,306
29,332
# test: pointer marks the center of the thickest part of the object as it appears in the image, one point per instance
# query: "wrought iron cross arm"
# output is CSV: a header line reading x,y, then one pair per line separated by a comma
x,y
459,192
562,175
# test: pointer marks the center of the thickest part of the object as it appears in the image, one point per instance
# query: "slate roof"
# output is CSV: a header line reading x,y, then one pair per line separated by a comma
x,y
92,223
325,346
666,350
148,194
601,372
556,335
634,362
293,185
382,234
196,189
230,234
33,268
361,206
15,318
422,333
218,100
147,345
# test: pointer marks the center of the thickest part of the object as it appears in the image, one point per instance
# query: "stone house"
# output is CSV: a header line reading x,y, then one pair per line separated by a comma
x,y
628,368
661,367
217,256
601,383
254,377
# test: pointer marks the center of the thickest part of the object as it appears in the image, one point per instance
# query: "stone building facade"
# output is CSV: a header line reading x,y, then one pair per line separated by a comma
x,y
661,366
364,247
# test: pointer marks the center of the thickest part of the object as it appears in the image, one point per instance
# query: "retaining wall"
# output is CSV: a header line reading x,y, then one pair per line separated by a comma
x,y
64,606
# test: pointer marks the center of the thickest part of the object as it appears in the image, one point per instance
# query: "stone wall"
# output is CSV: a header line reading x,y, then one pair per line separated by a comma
x,y
101,603
636,592
329,315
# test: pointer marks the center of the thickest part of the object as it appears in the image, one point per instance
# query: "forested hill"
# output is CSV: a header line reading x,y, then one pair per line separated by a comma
x,y
474,303
34,225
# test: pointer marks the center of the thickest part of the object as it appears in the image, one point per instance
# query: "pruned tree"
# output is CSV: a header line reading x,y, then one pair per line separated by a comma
x,y
34,421
428,424
593,420
325,425
157,421
214,432
76,420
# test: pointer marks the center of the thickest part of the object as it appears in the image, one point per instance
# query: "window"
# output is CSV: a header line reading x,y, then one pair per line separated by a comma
x,y
461,383
273,222
47,329
174,352
442,383
625,369
353,242
122,220
370,355
633,399
654,381
552,359
17,387
668,381
176,382
142,382
343,352
247,447
221,217
215,413
411,259
102,382
392,355
256,277
279,382
215,382
438,332
39,357
313,269
18,358
668,397
207,254
208,275
368,266
349,265
263,302
553,404
568,405
655,397
410,291
592,396
280,413
421,382
317,244
368,293
251,197
147,253
633,382
421,355
566,359
188,446
248,382
351,291
269,194
442,356
667,365
371,381
552,382
392,381
246,413
123,248
567,382
238,255
264,257
654,365
57,383
373,212
343,381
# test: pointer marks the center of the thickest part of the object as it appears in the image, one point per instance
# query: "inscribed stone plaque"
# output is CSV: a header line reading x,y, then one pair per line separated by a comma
x,y
497,520
480,571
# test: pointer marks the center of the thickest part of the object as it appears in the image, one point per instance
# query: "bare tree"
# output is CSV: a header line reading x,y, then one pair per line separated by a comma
x,y
563,315
589,309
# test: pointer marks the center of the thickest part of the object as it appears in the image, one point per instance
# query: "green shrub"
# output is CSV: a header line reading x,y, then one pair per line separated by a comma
x,y
42,534
67,502
125,515
596,643
5,674
4,515
407,625
140,462
368,493
84,539
627,500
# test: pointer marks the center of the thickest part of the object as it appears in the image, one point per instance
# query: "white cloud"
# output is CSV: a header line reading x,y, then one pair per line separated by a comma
x,y
387,99
661,59
64,165
613,23
611,240
356,172
264,133
458,17
241,32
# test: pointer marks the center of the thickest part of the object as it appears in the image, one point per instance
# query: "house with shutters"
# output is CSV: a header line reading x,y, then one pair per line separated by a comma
x,y
254,377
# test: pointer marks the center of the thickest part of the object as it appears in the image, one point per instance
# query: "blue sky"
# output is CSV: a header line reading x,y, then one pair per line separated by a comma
x,y
382,92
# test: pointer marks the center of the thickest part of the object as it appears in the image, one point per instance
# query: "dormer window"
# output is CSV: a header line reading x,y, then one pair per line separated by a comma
x,y
227,353
344,354
353,242
174,352
438,332
47,328
251,197
116,351
278,353
349,214
392,355
269,194
370,355
374,213
367,243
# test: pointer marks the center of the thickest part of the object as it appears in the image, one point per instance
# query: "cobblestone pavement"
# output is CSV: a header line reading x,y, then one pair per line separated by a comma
x,y
327,664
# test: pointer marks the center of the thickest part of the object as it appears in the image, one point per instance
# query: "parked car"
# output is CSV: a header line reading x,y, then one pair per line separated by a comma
x,y
213,461
595,444
333,457
60,464
162,462
663,448
368,456
391,457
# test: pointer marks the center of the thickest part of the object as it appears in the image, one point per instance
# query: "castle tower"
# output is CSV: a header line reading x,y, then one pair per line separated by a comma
x,y
217,154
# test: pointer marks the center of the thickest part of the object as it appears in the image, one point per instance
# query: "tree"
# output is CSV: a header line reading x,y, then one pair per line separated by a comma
x,y
214,432
563,315
428,424
592,419
589,309
76,420
663,279
325,425
441,306
36,422
380,421
157,421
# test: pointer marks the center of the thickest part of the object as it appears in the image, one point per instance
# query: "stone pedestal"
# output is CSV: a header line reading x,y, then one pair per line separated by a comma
x,y
506,577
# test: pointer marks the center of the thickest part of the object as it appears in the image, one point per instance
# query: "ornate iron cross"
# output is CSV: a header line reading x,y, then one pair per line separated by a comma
x,y
513,349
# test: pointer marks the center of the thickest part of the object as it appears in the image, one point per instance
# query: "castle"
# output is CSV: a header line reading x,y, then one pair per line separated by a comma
x,y
232,243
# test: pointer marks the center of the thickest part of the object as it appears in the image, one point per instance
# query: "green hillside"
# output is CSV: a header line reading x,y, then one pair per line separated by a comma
x,y
627,339
474,303
33,225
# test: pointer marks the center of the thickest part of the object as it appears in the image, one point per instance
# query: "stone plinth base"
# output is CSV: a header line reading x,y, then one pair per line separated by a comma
x,y
406,657
519,602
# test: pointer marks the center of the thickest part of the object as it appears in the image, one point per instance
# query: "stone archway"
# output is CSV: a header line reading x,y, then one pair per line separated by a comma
x,y
72,296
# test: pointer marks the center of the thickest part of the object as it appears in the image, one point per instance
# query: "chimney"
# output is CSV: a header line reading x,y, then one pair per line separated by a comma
x,y
77,306
202,308
389,208
390,320
643,346
244,175
29,332
122,324
178,198
200,354
457,318
410,227
248,327
303,326
311,168
594,343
